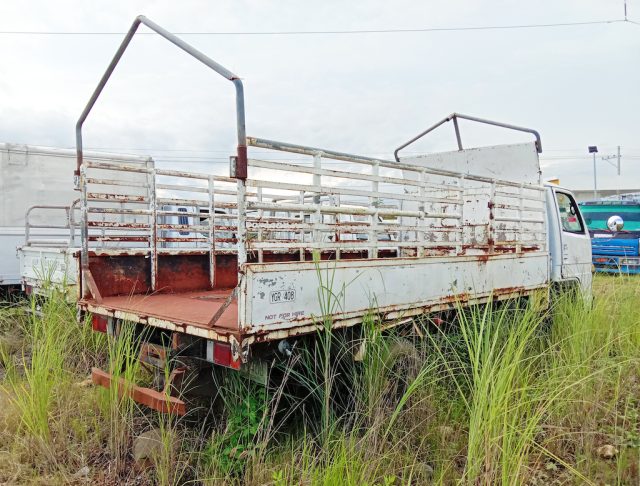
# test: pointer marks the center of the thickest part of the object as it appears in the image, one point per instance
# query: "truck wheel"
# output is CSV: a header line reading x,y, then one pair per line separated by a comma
x,y
401,367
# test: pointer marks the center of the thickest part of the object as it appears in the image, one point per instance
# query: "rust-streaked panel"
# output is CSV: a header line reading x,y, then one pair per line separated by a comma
x,y
181,273
117,275
226,271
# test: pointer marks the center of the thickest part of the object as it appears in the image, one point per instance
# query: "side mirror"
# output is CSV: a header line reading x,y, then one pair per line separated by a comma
x,y
615,223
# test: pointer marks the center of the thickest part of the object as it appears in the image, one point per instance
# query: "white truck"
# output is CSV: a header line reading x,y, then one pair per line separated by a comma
x,y
292,244
39,214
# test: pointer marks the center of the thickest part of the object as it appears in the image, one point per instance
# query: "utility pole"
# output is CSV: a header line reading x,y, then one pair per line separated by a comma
x,y
607,158
594,150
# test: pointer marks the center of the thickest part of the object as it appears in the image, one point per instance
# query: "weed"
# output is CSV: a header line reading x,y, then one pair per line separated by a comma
x,y
495,397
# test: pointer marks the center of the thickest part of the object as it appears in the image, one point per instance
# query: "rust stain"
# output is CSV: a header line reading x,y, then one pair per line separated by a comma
x,y
117,275
182,273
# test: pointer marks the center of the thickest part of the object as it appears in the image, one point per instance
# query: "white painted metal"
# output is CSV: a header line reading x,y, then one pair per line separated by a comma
x,y
288,295
10,238
455,230
571,244
42,268
515,162
38,176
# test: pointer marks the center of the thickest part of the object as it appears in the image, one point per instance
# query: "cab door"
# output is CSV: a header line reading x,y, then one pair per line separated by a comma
x,y
574,239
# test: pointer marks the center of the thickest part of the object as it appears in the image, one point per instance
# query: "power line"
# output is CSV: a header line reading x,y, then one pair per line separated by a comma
x,y
333,32
232,150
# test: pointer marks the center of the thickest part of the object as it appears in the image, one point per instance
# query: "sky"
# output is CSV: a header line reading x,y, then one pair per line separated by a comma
x,y
359,93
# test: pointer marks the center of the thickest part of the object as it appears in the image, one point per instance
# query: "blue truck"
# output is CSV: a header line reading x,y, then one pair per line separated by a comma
x,y
614,226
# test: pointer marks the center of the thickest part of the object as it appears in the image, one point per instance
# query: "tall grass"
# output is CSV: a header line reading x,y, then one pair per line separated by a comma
x,y
41,364
172,457
492,364
115,402
53,337
499,395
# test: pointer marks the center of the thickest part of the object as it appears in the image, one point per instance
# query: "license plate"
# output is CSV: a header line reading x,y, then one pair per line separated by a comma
x,y
278,296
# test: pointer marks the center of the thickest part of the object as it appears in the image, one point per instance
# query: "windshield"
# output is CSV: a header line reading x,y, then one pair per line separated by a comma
x,y
596,216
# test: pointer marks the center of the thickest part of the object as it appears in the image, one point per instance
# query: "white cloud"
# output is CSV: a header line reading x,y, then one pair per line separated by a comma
x,y
365,94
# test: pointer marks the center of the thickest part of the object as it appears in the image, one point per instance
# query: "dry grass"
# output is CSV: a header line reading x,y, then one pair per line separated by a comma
x,y
500,398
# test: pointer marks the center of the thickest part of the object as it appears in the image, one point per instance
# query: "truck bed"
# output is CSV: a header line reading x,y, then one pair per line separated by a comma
x,y
266,258
391,288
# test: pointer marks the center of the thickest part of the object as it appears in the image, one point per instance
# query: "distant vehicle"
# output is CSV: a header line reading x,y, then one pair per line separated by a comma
x,y
614,227
287,246
39,214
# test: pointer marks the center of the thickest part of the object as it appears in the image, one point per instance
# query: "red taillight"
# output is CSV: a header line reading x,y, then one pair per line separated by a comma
x,y
99,323
222,355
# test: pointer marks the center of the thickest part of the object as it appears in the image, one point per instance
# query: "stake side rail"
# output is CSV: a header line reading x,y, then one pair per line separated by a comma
x,y
384,207
170,237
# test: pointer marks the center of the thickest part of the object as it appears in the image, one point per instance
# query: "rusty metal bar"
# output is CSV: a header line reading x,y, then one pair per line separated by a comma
x,y
67,226
363,211
114,182
461,183
259,229
241,165
454,117
153,241
122,198
218,68
194,175
212,237
316,216
139,212
157,400
165,212
490,226
183,202
84,234
91,164
352,227
138,239
421,224
373,202
361,245
348,191
301,233
241,235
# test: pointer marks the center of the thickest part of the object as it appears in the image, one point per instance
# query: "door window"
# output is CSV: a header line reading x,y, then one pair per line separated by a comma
x,y
569,214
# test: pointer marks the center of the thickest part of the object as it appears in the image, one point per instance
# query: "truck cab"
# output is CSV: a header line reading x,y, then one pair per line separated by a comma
x,y
569,241
614,226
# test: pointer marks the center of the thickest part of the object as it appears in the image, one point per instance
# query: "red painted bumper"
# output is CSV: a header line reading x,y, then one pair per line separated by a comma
x,y
154,399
